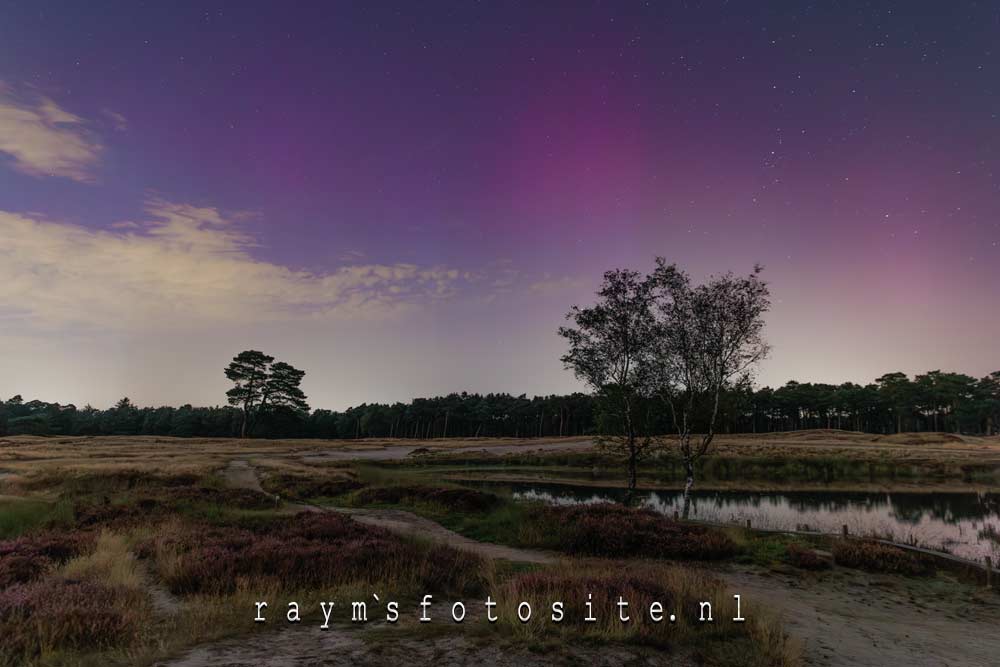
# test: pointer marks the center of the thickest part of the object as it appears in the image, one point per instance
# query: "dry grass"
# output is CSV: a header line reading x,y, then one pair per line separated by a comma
x,y
680,591
200,456
111,562
94,601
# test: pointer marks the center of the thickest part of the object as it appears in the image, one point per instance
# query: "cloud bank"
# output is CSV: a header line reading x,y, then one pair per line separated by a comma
x,y
43,139
185,266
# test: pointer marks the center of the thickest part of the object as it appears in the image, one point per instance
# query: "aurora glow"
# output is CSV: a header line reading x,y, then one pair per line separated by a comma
x,y
405,200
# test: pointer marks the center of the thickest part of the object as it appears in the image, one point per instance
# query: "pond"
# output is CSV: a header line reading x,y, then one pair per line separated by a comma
x,y
964,524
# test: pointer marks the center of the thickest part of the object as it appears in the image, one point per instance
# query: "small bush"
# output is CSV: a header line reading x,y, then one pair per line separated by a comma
x,y
157,503
27,558
614,531
20,569
62,614
302,487
805,558
877,557
306,551
458,499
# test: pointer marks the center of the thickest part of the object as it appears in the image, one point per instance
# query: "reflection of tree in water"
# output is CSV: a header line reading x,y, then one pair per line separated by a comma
x,y
945,507
933,518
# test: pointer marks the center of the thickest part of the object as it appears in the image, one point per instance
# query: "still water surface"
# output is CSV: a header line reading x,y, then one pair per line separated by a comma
x,y
965,524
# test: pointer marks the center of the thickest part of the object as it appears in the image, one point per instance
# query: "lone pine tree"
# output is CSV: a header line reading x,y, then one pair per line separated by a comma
x,y
260,383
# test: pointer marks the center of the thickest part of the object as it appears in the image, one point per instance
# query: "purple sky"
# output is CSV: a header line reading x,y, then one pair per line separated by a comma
x,y
405,201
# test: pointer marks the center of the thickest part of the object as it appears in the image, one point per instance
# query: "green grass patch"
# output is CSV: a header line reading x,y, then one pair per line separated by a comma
x,y
19,516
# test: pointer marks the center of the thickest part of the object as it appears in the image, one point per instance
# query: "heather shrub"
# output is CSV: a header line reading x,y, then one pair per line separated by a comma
x,y
459,499
244,499
303,487
443,568
113,482
877,557
805,558
308,550
18,568
155,503
615,531
29,557
61,614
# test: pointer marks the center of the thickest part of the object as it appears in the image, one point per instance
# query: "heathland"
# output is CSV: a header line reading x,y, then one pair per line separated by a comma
x,y
154,550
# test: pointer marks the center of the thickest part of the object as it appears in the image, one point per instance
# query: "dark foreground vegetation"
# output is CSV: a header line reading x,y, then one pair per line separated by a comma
x,y
121,567
934,401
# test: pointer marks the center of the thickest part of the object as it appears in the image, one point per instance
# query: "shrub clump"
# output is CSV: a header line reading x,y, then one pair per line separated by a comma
x,y
614,531
308,550
158,503
805,558
877,557
27,558
63,614
303,487
462,500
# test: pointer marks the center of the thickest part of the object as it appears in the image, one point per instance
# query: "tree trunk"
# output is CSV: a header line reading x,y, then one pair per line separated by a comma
x,y
688,485
630,493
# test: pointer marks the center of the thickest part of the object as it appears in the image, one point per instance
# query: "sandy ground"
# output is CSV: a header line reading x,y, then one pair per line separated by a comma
x,y
847,619
312,647
867,620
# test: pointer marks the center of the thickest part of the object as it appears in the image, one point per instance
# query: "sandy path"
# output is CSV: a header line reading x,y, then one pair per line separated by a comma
x,y
411,525
241,474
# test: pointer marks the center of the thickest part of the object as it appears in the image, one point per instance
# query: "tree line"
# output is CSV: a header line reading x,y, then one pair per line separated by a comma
x,y
933,401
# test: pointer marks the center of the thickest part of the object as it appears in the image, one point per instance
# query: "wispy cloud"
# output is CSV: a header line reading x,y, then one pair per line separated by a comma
x,y
43,139
186,265
118,121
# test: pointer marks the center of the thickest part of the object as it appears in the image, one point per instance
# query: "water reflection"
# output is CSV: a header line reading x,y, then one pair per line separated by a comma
x,y
965,524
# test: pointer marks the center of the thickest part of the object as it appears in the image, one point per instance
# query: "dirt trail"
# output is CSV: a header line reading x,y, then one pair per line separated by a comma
x,y
411,525
164,602
241,474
